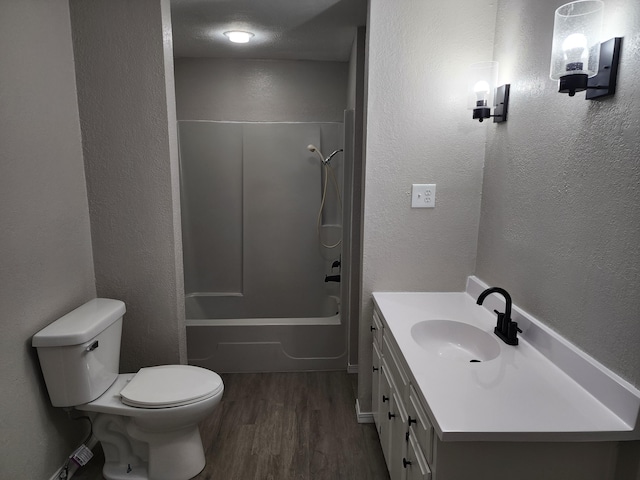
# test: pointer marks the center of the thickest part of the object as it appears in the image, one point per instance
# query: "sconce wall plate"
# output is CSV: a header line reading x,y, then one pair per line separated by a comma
x,y
604,82
502,104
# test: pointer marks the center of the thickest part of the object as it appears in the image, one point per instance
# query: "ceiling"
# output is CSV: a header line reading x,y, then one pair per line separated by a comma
x,y
284,29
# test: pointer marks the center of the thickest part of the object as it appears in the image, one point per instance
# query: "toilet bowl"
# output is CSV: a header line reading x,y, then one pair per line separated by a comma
x,y
154,441
147,422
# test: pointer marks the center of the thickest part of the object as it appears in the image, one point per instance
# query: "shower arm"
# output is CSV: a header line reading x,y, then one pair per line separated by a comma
x,y
326,162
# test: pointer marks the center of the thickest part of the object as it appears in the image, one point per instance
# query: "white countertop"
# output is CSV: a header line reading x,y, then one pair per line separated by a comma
x,y
518,396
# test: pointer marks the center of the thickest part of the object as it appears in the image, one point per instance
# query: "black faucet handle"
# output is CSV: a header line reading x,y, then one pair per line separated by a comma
x,y
512,332
502,322
499,313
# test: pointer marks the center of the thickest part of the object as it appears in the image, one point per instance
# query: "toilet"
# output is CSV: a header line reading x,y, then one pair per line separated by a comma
x,y
147,422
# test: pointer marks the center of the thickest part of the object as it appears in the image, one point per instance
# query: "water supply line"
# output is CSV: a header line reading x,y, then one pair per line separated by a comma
x,y
328,171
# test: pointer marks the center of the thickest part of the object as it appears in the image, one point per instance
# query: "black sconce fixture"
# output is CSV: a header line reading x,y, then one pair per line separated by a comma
x,y
578,60
483,93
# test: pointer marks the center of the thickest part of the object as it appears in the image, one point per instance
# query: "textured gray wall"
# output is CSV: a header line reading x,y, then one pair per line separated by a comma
x,y
560,223
420,131
46,267
129,142
260,90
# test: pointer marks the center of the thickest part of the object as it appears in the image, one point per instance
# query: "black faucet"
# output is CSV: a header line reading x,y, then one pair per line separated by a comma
x,y
506,328
331,278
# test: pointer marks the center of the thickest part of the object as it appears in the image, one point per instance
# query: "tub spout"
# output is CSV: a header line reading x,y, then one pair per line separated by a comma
x,y
331,278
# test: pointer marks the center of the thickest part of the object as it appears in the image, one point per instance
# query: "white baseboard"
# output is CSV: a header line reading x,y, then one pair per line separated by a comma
x,y
73,467
352,368
363,417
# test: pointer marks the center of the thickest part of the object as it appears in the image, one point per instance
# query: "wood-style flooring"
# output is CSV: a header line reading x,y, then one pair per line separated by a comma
x,y
285,426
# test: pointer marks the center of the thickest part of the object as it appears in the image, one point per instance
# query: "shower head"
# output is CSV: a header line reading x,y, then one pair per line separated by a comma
x,y
314,149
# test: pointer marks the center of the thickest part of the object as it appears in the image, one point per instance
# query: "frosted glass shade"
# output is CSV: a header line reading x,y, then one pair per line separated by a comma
x,y
576,39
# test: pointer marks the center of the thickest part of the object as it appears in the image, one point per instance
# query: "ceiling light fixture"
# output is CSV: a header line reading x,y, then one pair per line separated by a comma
x,y
237,36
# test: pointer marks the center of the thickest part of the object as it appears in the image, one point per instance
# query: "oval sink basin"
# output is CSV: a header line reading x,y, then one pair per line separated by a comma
x,y
453,340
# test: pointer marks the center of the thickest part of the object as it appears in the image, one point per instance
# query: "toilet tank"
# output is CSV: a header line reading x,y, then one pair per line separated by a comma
x,y
80,352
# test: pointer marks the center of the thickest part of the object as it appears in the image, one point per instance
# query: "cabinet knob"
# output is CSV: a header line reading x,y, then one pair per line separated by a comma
x,y
412,420
391,415
375,369
373,328
384,398
405,463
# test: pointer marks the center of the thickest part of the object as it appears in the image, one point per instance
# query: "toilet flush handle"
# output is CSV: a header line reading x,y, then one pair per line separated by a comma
x,y
92,347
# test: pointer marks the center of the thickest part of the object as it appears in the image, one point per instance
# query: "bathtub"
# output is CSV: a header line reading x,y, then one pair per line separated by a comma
x,y
263,343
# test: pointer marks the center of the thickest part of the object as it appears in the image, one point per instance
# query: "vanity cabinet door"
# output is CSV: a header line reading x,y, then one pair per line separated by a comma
x,y
377,330
398,424
414,463
398,374
419,425
384,427
376,399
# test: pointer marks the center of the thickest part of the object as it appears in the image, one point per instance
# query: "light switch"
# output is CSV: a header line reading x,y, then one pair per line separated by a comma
x,y
423,195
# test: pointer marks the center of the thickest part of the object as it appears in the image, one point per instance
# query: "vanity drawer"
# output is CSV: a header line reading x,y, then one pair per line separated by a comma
x,y
384,409
375,384
415,464
398,374
420,427
377,330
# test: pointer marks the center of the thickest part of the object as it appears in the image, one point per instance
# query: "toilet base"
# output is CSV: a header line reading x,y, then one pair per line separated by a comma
x,y
131,453
112,471
175,455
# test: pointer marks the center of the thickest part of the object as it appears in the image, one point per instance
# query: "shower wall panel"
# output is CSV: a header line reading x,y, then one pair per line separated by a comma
x,y
211,194
281,202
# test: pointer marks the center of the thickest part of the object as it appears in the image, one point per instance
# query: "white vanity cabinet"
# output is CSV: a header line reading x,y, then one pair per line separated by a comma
x,y
413,449
391,400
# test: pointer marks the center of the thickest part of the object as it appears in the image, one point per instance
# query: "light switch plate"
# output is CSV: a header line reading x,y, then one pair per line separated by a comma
x,y
423,195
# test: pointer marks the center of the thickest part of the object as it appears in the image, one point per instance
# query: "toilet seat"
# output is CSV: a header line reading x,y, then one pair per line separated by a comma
x,y
168,386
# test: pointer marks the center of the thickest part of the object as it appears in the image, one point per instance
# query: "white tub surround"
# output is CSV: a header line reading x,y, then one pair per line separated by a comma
x,y
544,389
266,344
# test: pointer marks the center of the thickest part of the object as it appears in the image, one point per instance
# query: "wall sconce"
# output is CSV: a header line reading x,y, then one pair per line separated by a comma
x,y
578,60
483,93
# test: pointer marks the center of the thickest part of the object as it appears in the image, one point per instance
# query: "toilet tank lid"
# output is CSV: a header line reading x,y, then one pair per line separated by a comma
x,y
80,325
